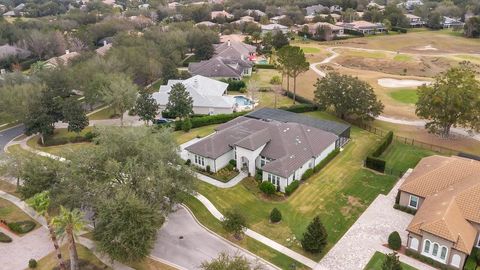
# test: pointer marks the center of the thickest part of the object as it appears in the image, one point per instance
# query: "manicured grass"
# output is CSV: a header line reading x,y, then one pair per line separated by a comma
x,y
310,50
106,113
402,58
377,259
11,213
262,77
407,95
9,188
183,137
150,264
208,220
50,261
401,157
64,148
364,54
223,175
339,194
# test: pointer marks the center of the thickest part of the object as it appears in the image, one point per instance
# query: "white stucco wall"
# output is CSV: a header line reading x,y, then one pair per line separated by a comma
x,y
207,161
283,181
250,155
325,153
223,160
206,110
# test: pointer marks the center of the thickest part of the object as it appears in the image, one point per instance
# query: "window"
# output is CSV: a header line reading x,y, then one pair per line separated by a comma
x,y
435,249
426,249
263,161
275,180
443,253
199,160
413,203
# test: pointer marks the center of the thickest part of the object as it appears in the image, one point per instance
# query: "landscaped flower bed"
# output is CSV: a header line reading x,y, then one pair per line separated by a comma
x,y
224,175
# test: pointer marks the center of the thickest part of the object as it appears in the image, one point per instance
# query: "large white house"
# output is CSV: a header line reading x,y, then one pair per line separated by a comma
x,y
209,95
283,151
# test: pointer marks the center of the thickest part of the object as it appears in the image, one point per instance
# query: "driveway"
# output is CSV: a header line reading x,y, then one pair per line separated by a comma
x,y
185,243
369,233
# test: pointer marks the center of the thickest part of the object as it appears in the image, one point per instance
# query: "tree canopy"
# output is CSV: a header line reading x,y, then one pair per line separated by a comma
x,y
180,103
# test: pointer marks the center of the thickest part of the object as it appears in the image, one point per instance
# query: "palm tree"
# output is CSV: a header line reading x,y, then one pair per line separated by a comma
x,y
41,203
69,223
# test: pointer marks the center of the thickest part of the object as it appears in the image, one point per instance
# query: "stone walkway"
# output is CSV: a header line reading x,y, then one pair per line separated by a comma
x,y
355,249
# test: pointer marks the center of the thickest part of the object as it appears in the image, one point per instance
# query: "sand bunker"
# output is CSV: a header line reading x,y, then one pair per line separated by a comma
x,y
427,48
395,83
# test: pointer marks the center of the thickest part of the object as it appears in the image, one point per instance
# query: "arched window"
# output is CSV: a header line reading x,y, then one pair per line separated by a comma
x,y
426,248
414,243
435,249
443,253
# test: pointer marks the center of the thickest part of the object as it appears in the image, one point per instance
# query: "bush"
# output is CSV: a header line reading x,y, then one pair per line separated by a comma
x,y
32,263
89,136
5,238
234,222
376,164
394,241
229,167
292,187
399,29
386,141
233,162
186,125
258,175
315,238
264,66
267,188
307,174
188,162
275,215
21,227
208,169
299,98
326,160
209,120
405,209
235,85
300,108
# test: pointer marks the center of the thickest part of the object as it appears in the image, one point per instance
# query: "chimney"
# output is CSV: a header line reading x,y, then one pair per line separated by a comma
x,y
229,43
67,51
104,43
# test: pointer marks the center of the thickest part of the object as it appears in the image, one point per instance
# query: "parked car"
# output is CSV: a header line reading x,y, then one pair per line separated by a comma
x,y
162,121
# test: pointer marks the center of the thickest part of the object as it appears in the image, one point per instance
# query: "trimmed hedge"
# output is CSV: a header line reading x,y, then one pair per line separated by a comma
x,y
307,174
326,160
299,98
275,215
470,264
405,209
21,227
399,29
292,187
300,108
264,66
5,238
372,161
428,260
235,85
209,120
394,241
52,141
267,188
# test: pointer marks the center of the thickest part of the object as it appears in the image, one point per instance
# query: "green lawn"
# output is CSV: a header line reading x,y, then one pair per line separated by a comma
x,y
310,50
406,95
11,213
183,137
339,194
401,157
50,261
105,113
62,149
376,261
402,58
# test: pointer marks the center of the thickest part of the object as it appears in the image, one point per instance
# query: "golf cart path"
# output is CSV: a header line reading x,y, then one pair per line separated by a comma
x,y
393,120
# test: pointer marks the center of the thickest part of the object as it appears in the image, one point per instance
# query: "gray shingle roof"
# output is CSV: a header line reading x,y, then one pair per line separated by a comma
x,y
286,116
289,145
219,67
234,49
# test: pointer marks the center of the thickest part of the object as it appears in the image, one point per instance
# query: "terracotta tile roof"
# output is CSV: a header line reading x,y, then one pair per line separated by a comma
x,y
451,188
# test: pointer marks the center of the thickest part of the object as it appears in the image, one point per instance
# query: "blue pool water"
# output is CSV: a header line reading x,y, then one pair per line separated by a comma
x,y
263,62
242,101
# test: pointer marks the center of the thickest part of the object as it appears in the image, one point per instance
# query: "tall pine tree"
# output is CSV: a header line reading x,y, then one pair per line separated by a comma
x,y
391,262
315,238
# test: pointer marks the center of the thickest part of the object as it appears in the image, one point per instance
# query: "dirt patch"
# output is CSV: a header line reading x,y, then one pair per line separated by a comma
x,y
354,203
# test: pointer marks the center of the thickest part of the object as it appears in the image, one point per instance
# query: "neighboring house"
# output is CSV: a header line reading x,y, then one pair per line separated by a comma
x,y
363,27
336,30
283,151
3,8
410,4
316,9
451,22
10,13
445,191
61,60
174,5
415,21
7,51
236,50
209,96
372,4
223,13
274,27
277,19
207,24
222,68
144,6
255,12
336,8
245,19
310,18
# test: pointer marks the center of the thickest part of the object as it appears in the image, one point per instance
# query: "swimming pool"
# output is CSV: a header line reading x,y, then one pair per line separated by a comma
x,y
242,101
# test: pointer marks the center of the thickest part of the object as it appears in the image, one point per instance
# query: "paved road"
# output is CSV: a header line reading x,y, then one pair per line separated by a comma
x,y
185,243
8,135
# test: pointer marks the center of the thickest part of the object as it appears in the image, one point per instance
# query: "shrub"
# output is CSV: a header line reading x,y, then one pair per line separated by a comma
x,y
233,162
386,141
234,222
235,85
275,215
267,188
307,174
299,98
188,162
89,136
229,167
209,120
326,160
292,187
399,29
394,241
264,66
300,108
405,209
376,164
258,175
21,226
5,238
186,125
208,169
476,252
32,263
315,238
